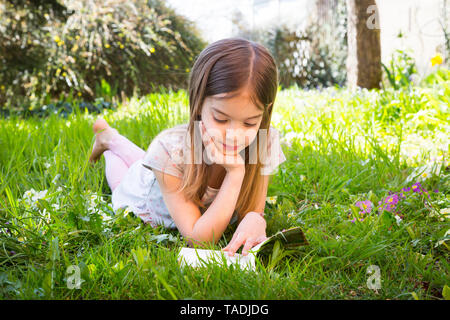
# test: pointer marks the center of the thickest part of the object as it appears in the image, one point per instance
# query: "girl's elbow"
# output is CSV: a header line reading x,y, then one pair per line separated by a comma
x,y
200,240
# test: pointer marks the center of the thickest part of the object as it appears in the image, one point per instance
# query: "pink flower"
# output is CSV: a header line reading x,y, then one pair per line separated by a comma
x,y
365,206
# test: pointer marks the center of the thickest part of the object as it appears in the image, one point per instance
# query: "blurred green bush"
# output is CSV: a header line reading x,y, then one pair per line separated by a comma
x,y
313,56
87,49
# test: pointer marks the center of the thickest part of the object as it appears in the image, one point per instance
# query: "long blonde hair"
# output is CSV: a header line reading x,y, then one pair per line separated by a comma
x,y
229,65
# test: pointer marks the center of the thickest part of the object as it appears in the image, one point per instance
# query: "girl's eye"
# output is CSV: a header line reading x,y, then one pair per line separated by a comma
x,y
220,121
223,121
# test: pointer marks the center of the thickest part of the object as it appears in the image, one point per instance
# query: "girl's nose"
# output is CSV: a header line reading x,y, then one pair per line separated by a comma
x,y
234,135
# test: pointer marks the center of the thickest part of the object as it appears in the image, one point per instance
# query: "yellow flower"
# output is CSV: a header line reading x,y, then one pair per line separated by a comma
x,y
77,37
187,70
56,38
2,87
437,59
79,94
64,74
107,45
166,67
152,50
58,71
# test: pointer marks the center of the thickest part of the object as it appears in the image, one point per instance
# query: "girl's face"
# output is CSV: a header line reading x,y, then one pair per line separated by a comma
x,y
232,122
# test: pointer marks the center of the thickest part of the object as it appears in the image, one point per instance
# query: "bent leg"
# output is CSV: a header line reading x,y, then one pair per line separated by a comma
x,y
125,149
115,169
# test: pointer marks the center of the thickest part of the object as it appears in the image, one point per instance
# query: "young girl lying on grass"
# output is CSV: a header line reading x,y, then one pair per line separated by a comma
x,y
221,176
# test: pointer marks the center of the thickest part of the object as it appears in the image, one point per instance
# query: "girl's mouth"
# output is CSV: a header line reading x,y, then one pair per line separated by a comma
x,y
231,148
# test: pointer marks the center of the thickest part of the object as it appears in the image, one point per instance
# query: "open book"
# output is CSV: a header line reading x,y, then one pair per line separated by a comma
x,y
288,238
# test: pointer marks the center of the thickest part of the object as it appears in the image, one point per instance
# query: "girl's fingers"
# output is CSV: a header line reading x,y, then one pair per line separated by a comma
x,y
248,245
260,239
235,244
227,247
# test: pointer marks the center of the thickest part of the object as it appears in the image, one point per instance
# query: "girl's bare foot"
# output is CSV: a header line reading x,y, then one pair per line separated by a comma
x,y
103,136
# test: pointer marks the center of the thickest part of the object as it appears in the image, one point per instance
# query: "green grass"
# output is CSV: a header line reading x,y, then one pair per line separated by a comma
x,y
341,147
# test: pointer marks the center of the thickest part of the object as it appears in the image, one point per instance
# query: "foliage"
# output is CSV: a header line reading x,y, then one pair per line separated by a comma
x,y
311,56
402,68
134,46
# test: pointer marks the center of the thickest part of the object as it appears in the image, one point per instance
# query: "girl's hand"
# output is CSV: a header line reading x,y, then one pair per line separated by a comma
x,y
250,232
228,161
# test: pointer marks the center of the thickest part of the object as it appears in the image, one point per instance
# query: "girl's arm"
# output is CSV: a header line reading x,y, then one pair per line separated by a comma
x,y
252,229
187,216
211,225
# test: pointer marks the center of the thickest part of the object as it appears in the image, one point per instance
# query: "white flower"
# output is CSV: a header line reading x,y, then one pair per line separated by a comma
x,y
271,200
127,211
32,196
398,219
425,172
94,201
291,214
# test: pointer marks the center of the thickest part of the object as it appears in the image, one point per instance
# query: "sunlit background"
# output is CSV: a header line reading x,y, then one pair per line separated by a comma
x,y
405,24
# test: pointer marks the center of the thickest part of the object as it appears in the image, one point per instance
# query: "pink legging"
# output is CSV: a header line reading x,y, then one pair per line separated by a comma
x,y
121,155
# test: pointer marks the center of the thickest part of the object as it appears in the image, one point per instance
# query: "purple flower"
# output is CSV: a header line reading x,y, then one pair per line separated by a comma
x,y
417,187
365,206
12,252
389,203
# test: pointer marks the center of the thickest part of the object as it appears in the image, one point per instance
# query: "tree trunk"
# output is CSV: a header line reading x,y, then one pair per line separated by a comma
x,y
364,48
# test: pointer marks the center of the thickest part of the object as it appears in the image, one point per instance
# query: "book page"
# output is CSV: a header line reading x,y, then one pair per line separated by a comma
x,y
202,257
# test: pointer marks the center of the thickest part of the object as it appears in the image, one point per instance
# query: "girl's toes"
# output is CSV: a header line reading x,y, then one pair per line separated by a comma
x,y
100,124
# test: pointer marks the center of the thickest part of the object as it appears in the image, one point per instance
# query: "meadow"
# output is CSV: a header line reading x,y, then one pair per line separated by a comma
x,y
366,177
